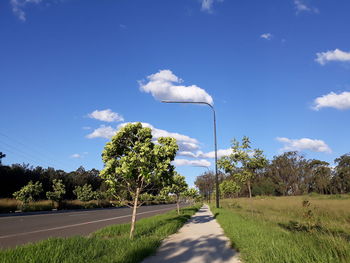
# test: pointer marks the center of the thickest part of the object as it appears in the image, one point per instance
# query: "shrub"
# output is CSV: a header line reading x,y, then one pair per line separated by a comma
x,y
28,193
84,193
58,191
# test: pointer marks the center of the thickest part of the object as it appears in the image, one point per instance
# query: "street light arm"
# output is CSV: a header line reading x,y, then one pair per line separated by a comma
x,y
188,102
215,142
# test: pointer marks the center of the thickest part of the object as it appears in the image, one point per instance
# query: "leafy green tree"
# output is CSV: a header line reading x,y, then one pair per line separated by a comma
x,y
245,160
177,187
132,161
84,193
290,173
264,186
192,193
341,178
229,188
28,192
146,198
321,176
58,191
206,184
163,197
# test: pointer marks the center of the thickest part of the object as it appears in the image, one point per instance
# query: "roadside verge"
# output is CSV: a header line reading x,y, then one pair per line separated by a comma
x,y
110,244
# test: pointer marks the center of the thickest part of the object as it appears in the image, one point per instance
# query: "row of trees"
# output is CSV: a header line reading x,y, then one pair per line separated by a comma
x,y
247,172
32,191
16,176
136,168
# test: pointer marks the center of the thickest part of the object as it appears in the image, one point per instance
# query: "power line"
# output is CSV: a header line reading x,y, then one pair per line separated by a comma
x,y
24,154
18,154
31,149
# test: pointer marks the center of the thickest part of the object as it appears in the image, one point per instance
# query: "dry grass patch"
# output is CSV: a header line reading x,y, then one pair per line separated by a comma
x,y
302,229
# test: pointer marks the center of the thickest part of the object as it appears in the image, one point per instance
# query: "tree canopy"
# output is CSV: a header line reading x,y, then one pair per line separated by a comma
x,y
243,161
132,162
58,191
28,192
177,187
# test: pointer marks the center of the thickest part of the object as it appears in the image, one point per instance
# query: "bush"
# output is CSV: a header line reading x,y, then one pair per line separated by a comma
x,y
84,193
58,191
28,193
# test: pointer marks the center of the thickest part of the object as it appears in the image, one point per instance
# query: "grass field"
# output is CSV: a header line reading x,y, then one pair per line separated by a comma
x,y
301,229
110,244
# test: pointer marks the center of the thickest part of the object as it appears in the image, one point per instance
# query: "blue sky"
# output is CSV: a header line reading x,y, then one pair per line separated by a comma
x,y
73,71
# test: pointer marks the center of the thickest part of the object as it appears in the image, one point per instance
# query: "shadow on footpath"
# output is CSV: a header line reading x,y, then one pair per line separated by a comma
x,y
206,249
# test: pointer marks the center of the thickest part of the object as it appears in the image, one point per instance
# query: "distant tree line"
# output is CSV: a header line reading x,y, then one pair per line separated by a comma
x,y
246,172
16,176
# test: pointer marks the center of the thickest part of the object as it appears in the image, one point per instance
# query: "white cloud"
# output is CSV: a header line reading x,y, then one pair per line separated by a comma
x,y
207,5
304,144
185,162
185,142
162,86
220,153
208,155
332,55
188,154
106,115
300,6
76,156
103,131
266,36
86,128
188,146
339,101
19,5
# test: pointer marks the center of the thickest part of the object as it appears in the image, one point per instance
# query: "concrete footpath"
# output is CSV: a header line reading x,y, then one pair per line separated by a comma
x,y
200,240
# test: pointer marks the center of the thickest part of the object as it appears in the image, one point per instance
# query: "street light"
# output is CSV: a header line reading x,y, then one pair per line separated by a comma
x,y
215,144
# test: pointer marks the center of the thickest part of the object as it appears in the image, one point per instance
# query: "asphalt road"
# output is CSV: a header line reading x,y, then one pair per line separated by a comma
x,y
21,229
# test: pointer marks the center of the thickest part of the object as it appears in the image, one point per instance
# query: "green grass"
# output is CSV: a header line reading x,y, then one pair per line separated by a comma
x,y
282,230
110,244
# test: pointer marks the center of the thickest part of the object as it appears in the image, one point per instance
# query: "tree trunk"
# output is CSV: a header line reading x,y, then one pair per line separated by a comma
x,y
133,219
249,189
177,204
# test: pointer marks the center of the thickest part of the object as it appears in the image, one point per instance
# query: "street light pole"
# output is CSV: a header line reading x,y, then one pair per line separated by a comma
x,y
215,144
